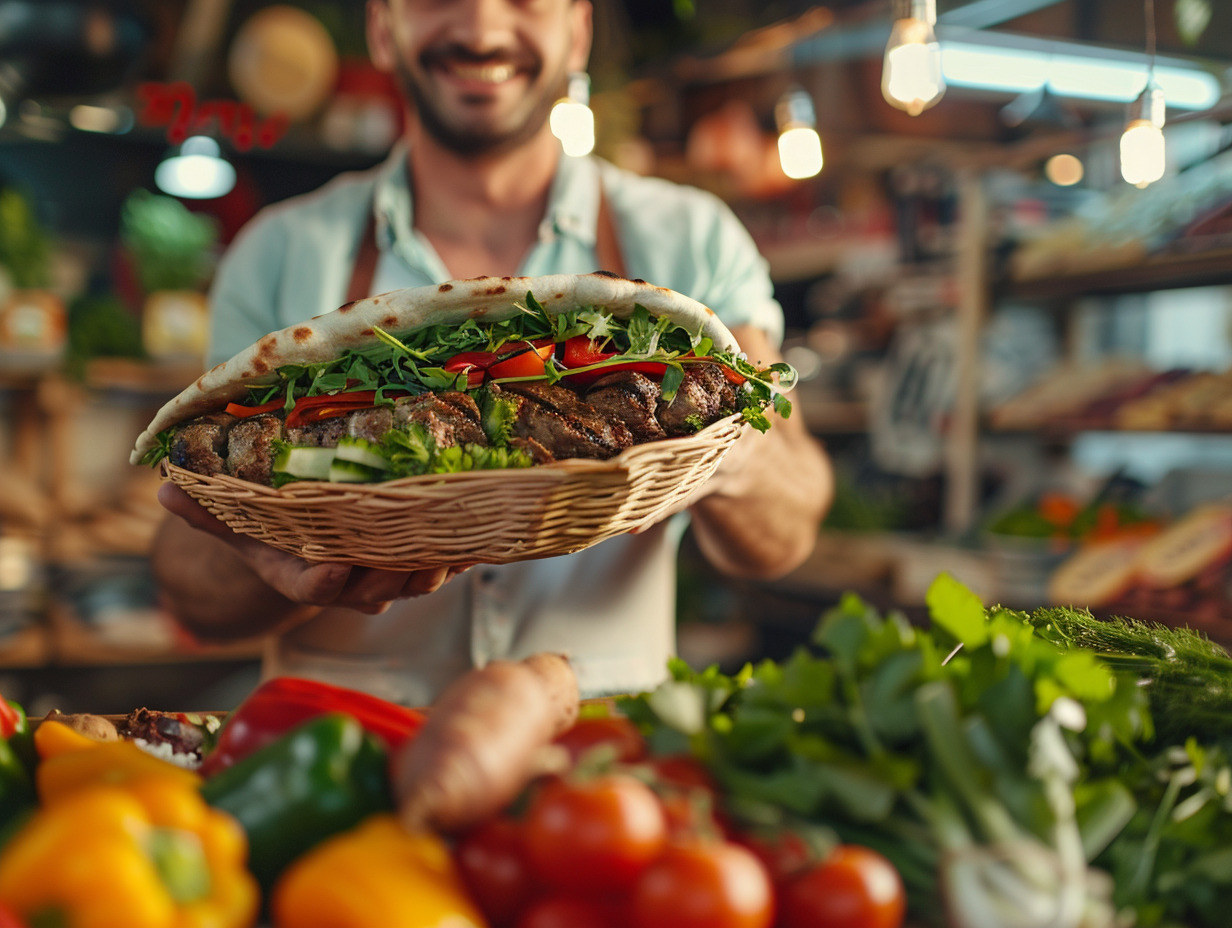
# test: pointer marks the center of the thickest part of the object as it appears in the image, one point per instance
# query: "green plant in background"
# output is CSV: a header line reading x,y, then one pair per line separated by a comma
x,y
172,247
101,327
25,252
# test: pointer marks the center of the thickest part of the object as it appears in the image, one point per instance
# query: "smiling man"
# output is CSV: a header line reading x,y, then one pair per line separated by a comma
x,y
478,186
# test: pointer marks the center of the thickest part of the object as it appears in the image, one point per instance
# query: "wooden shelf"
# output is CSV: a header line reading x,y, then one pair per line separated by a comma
x,y
1168,270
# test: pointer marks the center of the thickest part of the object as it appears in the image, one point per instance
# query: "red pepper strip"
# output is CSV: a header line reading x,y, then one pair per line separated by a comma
x,y
243,412
9,719
330,405
515,359
281,703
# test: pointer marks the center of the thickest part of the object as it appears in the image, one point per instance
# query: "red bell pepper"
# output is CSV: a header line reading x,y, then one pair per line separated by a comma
x,y
243,412
281,703
10,719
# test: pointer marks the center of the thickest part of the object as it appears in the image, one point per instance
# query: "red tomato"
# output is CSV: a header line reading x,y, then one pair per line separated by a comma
x,y
784,855
9,918
526,362
614,731
582,351
570,912
594,834
492,862
704,884
855,887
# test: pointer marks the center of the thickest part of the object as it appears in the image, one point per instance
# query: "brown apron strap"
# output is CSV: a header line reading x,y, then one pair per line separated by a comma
x,y
607,243
364,269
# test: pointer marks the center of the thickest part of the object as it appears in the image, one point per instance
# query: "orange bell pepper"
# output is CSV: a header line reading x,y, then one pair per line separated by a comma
x,y
150,855
375,875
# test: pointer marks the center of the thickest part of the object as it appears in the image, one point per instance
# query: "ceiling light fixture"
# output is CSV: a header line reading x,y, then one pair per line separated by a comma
x,y
572,120
196,170
799,144
1143,152
911,75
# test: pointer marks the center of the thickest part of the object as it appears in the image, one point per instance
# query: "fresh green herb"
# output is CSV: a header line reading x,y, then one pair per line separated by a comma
x,y
161,449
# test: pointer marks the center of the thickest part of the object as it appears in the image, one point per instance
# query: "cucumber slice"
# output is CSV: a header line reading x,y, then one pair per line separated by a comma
x,y
304,463
351,472
360,451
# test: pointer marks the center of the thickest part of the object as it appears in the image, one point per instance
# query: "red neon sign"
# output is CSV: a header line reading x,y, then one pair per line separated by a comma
x,y
175,106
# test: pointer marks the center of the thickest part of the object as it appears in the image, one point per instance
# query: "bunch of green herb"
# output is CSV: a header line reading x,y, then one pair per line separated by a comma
x,y
1004,771
172,247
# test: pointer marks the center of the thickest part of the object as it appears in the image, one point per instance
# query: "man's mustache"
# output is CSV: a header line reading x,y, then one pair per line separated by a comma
x,y
521,59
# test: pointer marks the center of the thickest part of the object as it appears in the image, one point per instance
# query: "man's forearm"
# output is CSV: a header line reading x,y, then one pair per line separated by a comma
x,y
764,522
211,591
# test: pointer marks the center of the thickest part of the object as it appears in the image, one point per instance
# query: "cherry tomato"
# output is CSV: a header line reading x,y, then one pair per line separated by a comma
x,y
784,854
613,731
594,834
492,862
687,791
570,912
702,883
854,887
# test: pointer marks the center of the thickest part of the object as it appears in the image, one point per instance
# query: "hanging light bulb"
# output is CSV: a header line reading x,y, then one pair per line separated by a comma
x,y
1142,144
799,144
196,170
571,119
911,71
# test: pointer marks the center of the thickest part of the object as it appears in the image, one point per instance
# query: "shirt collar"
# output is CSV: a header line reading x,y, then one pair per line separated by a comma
x,y
572,211
573,202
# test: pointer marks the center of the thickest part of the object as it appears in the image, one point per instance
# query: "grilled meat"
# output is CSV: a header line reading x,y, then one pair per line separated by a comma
x,y
371,424
323,434
250,453
560,421
630,398
201,445
451,418
185,736
537,453
705,396
552,422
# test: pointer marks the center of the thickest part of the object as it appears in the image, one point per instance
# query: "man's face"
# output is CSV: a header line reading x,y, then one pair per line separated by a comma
x,y
481,74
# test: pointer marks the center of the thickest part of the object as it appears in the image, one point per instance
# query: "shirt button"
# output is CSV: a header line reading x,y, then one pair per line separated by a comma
x,y
488,577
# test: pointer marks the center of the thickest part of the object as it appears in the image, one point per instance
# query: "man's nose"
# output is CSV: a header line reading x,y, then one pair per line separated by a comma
x,y
484,26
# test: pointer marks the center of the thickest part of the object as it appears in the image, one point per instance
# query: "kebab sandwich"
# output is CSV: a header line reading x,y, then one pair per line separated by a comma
x,y
469,375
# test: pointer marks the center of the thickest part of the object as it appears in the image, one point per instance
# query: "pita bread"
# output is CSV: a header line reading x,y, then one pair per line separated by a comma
x,y
351,326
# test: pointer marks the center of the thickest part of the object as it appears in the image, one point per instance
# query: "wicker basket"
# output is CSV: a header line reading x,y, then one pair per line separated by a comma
x,y
491,517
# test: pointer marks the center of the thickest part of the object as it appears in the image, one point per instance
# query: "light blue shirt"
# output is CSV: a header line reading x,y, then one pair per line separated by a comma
x,y
609,607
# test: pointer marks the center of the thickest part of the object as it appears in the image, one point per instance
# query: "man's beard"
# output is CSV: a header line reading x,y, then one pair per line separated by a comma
x,y
472,141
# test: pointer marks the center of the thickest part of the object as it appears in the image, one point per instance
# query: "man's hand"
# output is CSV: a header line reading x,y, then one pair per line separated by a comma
x,y
364,589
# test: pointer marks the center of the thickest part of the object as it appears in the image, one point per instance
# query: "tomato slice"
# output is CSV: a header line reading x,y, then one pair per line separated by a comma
x,y
582,351
244,412
528,362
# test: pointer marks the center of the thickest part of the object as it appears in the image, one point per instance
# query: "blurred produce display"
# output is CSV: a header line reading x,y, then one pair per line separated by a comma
x,y
994,769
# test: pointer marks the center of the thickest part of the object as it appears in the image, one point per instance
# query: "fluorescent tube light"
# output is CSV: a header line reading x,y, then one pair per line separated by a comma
x,y
1016,70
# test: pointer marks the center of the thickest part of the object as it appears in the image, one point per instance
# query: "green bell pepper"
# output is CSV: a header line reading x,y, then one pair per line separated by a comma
x,y
17,759
320,778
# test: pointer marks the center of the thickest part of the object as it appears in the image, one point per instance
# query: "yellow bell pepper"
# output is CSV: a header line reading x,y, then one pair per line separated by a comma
x,y
112,763
52,738
152,854
375,875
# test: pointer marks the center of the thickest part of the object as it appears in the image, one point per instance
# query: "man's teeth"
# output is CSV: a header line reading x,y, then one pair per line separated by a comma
x,y
488,73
